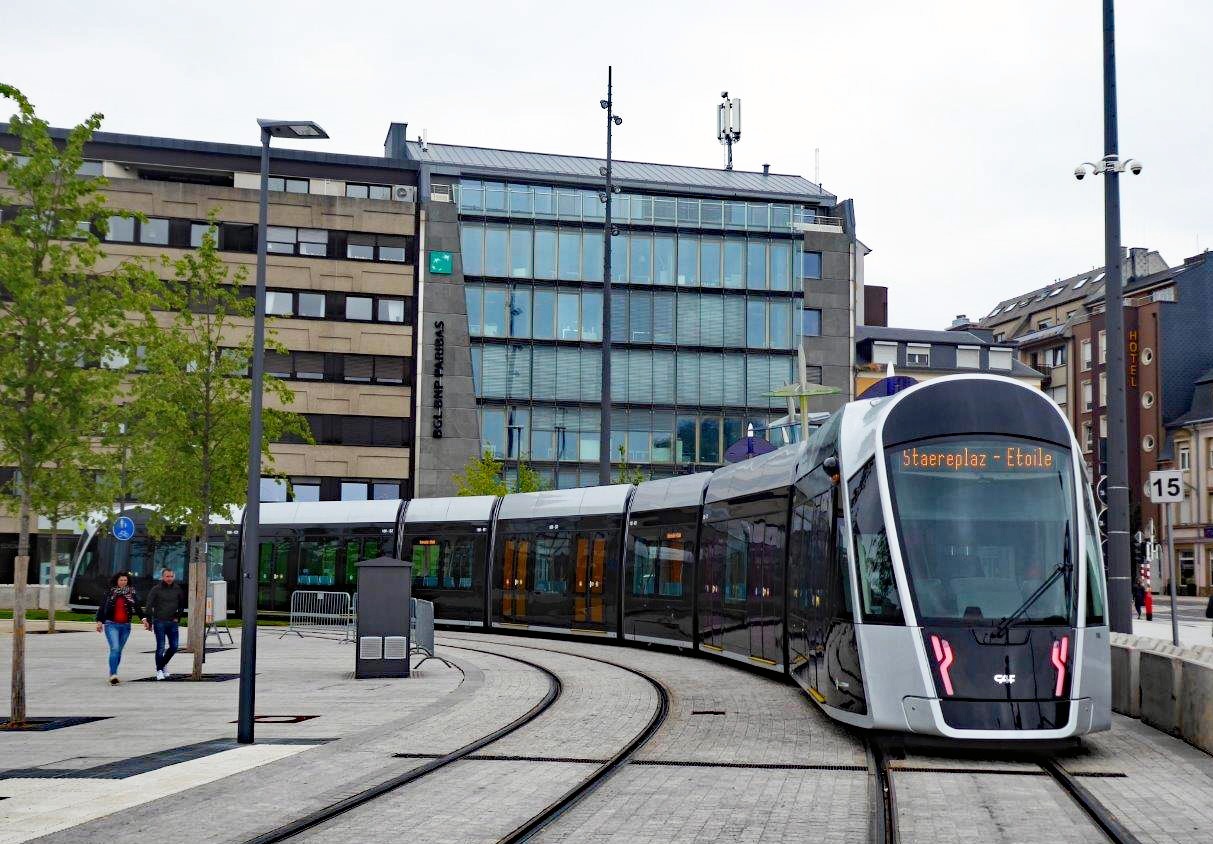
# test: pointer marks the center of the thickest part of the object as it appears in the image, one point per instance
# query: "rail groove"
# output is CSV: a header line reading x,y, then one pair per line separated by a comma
x,y
333,810
884,802
1097,812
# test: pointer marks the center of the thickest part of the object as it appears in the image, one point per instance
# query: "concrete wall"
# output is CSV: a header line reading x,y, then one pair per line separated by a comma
x,y
1167,687
833,295
442,300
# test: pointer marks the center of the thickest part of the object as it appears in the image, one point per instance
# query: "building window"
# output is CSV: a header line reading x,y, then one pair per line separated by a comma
x,y
1000,359
918,355
355,190
1087,401
1086,354
884,352
1087,436
1103,389
120,230
1056,356
198,232
1185,458
279,304
311,305
968,357
391,310
353,491
305,489
358,307
154,231
1103,347
1043,324
281,184
811,322
1058,394
360,247
273,489
810,264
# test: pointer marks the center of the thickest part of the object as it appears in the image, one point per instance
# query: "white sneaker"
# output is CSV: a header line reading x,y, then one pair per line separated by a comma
x,y
164,675
159,675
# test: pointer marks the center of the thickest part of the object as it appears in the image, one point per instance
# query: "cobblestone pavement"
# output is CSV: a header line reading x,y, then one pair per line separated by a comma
x,y
678,787
600,709
1166,793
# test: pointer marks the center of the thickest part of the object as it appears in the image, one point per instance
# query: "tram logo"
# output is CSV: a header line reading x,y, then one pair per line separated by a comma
x,y
1004,679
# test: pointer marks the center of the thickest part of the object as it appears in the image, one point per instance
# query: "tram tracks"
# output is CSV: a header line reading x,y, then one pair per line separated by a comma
x,y
536,822
884,805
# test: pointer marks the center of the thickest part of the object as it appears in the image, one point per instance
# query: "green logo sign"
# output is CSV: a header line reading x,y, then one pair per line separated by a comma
x,y
440,263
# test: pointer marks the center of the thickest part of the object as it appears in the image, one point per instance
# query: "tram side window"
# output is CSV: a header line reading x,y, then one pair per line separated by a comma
x,y
657,568
443,563
877,583
736,562
1095,594
318,563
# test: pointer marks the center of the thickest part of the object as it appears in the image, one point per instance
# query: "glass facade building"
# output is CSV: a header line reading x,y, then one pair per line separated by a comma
x,y
706,318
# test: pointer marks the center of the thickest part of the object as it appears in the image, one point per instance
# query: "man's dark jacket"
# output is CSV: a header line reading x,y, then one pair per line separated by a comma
x,y
165,602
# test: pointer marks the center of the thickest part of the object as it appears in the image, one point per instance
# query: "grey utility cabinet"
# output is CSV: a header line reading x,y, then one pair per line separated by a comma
x,y
385,586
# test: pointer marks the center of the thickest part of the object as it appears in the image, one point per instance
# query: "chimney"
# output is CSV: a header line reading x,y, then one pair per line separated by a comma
x,y
394,145
766,169
960,320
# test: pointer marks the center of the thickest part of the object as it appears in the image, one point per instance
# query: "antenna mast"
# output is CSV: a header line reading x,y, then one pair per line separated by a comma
x,y
728,125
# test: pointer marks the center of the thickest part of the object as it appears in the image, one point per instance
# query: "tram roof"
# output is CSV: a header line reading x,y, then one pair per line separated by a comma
x,y
330,512
773,470
587,501
666,493
472,508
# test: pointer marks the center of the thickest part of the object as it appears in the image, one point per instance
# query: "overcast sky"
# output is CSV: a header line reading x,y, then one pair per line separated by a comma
x,y
954,125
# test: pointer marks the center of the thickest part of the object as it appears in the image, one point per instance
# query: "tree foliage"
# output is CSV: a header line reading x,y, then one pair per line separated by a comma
x,y
190,409
485,475
627,473
69,323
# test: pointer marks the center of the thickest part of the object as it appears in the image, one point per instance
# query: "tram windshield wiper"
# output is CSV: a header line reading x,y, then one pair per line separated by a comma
x,y
1065,567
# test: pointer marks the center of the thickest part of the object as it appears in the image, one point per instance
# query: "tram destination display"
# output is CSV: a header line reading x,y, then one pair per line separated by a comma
x,y
961,457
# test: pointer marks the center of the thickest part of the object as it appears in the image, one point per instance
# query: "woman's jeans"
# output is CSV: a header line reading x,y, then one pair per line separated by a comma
x,y
116,634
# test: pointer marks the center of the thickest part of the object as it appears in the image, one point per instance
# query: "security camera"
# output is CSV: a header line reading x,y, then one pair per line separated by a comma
x,y
1079,172
1135,167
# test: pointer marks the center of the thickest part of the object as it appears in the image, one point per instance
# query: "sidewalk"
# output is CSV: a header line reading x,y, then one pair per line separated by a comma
x,y
155,739
1190,632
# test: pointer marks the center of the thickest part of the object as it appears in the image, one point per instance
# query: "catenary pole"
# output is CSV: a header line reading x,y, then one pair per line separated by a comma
x,y
1119,591
604,433
252,509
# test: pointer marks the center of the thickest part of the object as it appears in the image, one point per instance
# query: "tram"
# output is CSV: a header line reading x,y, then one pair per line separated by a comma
x,y
926,562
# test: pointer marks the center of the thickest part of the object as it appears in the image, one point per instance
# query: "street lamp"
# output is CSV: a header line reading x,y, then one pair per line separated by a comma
x,y
1110,167
604,432
298,130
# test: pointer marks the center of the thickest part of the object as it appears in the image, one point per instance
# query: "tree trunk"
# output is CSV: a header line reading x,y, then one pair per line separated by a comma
x,y
20,578
197,609
50,586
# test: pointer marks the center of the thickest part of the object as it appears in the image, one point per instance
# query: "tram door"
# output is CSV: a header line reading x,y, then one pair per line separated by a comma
x,y
273,565
514,579
764,545
588,580
711,561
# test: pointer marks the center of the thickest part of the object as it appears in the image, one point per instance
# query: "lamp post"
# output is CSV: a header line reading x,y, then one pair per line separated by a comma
x,y
604,433
1110,167
299,130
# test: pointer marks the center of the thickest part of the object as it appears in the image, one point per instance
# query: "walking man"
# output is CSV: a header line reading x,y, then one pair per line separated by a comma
x,y
162,614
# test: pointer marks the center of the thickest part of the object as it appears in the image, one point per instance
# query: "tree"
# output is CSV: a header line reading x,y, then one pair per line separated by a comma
x,y
190,415
63,329
628,474
485,475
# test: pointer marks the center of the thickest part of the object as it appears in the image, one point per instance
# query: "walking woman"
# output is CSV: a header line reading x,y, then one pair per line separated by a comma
x,y
114,619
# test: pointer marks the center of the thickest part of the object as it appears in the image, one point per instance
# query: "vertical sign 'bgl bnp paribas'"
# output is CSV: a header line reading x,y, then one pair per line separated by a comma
x,y
439,359
441,263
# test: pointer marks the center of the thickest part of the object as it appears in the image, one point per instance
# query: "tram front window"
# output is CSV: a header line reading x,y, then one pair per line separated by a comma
x,y
988,529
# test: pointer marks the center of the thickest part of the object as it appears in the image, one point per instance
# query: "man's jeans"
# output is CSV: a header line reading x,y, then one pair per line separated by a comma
x,y
165,630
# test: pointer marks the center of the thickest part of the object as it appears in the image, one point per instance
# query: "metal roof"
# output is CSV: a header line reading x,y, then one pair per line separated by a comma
x,y
679,491
504,163
773,470
553,503
184,145
922,335
475,508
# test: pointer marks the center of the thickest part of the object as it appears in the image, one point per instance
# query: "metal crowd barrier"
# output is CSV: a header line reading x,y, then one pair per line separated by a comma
x,y
421,631
320,614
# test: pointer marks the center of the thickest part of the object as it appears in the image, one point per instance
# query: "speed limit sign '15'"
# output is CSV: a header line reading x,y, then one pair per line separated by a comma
x,y
1166,486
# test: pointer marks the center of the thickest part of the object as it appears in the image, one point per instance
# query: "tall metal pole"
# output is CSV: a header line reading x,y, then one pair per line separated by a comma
x,y
252,509
1174,573
604,434
1119,585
